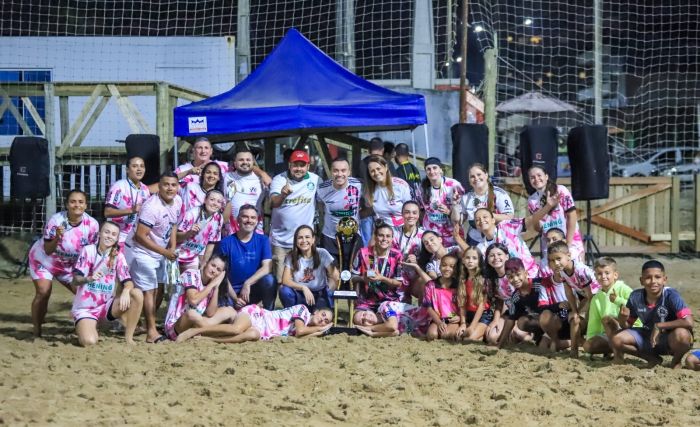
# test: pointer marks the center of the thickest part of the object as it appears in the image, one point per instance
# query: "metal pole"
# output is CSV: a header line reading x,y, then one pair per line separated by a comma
x,y
427,145
463,64
448,40
597,63
345,34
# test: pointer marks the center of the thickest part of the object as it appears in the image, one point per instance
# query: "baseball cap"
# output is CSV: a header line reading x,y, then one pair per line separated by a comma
x,y
299,156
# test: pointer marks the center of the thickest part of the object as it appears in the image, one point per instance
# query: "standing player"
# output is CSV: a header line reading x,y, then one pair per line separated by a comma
x,y
125,198
340,197
154,241
293,201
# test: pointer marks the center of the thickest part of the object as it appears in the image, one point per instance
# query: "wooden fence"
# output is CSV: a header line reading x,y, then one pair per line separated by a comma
x,y
641,215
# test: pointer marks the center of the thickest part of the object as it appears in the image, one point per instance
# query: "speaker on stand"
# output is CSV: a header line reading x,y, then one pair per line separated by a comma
x,y
29,180
590,174
538,147
147,147
469,145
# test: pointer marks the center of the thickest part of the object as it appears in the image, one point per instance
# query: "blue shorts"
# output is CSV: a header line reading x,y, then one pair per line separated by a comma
x,y
486,316
643,342
695,353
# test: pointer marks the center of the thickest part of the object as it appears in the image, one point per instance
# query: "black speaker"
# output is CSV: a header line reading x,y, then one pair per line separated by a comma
x,y
470,144
590,162
538,147
29,168
147,147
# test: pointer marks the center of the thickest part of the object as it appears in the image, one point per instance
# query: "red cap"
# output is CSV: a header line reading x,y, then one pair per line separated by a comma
x,y
299,156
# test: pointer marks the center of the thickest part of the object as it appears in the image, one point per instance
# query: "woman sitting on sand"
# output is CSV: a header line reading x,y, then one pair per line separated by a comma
x,y
195,303
95,278
254,323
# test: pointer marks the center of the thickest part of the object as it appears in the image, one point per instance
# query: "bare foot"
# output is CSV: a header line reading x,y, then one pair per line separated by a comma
x,y
185,335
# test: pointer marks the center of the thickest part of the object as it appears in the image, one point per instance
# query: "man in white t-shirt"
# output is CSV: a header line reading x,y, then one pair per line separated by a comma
x,y
153,243
242,187
340,197
202,151
293,201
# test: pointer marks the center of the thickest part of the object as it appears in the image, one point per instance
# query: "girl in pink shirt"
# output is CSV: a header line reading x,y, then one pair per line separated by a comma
x,y
441,301
99,271
199,230
54,256
195,302
193,193
438,195
562,216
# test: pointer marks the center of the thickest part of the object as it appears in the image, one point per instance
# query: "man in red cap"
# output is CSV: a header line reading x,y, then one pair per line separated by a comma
x,y
293,200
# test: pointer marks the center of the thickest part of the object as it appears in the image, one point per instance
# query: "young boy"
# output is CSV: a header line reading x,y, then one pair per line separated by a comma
x,y
525,304
605,304
576,276
667,322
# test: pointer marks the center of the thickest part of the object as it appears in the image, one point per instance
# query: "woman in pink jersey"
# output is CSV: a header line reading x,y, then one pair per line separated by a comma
x,y
55,255
254,323
393,318
100,271
433,251
193,193
377,271
562,216
125,198
408,241
199,230
195,302
384,194
439,195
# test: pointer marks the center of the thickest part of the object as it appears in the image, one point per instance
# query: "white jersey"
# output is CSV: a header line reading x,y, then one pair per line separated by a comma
x,y
387,210
339,203
243,190
471,202
298,208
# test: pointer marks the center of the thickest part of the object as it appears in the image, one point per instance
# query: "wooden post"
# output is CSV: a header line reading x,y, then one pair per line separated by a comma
x,y
163,121
675,214
50,135
697,213
65,117
490,80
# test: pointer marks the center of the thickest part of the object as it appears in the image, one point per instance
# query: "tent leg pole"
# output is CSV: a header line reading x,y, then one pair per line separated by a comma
x,y
175,148
413,146
425,133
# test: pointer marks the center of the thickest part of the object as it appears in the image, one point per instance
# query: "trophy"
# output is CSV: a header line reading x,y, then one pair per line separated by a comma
x,y
348,242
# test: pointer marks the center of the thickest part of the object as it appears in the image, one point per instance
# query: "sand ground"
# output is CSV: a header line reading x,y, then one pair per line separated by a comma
x,y
319,381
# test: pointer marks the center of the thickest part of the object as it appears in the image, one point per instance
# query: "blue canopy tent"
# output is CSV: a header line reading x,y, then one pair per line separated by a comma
x,y
299,90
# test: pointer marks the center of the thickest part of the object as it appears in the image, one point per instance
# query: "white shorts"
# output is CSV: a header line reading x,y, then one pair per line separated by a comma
x,y
147,272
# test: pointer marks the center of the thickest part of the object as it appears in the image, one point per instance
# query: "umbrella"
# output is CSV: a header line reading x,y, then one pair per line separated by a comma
x,y
534,102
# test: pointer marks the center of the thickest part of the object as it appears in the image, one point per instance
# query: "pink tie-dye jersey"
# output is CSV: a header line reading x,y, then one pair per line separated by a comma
x,y
192,196
210,231
277,323
124,194
190,279
374,292
449,193
556,218
442,300
582,277
61,262
412,319
92,300
160,217
508,233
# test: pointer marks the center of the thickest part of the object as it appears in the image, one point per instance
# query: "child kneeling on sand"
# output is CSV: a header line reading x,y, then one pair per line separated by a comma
x,y
253,323
605,306
667,322
393,318
195,303
95,277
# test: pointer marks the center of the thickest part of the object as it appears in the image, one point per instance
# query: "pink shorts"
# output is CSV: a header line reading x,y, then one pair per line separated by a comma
x,y
38,272
100,312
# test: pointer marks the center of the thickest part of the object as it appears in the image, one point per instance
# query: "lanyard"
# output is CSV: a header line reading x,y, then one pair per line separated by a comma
x,y
405,249
374,266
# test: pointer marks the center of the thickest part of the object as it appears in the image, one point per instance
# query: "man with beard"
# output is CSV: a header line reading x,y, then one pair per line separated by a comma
x,y
249,264
242,187
340,197
293,201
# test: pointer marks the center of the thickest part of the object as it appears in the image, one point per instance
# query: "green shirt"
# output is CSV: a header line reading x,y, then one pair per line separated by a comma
x,y
601,306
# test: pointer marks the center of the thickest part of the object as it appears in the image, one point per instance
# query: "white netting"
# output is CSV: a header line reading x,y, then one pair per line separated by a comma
x,y
650,76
